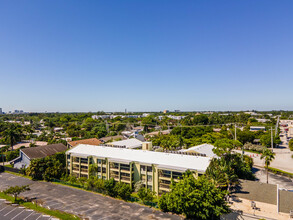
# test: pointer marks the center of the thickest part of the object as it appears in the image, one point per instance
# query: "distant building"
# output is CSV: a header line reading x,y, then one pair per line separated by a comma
x,y
176,110
90,141
176,117
262,120
132,143
155,133
27,154
100,116
112,138
1,111
257,128
206,149
166,111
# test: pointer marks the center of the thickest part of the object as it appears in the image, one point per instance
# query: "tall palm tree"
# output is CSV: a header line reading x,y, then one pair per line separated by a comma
x,y
268,156
13,134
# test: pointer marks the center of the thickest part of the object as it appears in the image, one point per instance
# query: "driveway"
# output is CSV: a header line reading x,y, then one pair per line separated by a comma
x,y
80,202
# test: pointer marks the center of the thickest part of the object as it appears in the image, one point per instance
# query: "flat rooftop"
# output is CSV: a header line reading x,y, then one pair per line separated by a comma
x,y
171,161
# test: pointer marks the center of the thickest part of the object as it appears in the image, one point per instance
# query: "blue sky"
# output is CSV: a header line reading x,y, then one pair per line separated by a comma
x,y
146,55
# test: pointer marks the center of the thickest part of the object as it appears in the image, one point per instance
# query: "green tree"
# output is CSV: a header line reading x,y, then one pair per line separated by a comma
x,y
245,136
16,190
266,140
223,174
195,198
10,155
200,119
13,134
268,156
224,147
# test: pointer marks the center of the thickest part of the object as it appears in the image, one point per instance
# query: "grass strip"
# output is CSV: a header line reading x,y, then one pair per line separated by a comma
x,y
280,172
30,205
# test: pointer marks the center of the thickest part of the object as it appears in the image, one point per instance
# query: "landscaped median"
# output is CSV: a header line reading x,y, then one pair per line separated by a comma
x,y
30,205
280,172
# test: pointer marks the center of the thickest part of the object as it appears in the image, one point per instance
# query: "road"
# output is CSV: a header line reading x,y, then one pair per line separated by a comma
x,y
283,182
79,202
283,157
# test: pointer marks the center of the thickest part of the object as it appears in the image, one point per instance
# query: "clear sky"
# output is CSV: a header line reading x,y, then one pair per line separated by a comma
x,y
146,55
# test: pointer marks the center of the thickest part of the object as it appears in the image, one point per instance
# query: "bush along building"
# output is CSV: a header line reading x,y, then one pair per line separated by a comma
x,y
155,170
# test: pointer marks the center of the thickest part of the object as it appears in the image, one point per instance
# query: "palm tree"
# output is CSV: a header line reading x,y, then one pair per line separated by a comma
x,y
269,156
13,134
222,174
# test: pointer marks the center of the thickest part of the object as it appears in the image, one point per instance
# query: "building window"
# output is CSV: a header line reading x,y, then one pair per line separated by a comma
x,y
177,175
165,173
125,167
149,169
84,160
150,178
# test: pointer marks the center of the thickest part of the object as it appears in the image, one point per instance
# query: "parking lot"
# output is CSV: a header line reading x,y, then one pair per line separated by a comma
x,y
82,203
11,212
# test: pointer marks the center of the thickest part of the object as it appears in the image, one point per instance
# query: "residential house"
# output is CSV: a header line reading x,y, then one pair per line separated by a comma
x,y
90,141
28,154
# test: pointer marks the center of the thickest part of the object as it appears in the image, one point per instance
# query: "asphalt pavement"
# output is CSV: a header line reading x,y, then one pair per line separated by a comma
x,y
85,204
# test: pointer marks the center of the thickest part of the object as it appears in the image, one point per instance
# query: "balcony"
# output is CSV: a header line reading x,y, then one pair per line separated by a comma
x,y
114,169
124,171
164,187
84,170
165,177
125,179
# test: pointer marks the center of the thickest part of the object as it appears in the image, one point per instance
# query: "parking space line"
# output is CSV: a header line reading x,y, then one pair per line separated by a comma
x,y
18,214
3,208
29,215
10,211
39,217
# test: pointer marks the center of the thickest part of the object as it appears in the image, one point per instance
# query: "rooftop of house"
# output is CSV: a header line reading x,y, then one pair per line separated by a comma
x,y
43,151
206,149
91,141
112,138
129,143
179,162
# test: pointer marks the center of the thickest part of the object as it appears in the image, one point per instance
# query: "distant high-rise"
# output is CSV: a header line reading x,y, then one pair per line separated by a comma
x,y
1,111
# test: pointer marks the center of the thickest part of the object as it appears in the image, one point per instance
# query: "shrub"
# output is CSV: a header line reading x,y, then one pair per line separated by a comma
x,y
110,187
145,195
123,191
253,147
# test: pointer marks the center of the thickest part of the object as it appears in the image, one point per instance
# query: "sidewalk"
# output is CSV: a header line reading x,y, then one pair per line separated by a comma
x,y
264,211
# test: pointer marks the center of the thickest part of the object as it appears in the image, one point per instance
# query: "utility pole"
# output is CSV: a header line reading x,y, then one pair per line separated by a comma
x,y
272,139
235,133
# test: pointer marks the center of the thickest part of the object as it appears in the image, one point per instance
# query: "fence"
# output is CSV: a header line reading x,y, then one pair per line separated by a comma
x,y
10,169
